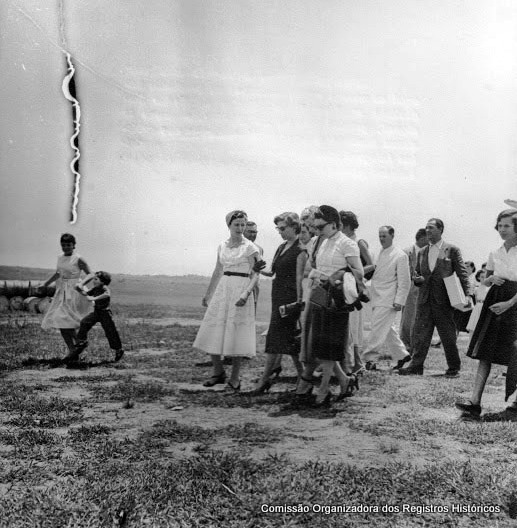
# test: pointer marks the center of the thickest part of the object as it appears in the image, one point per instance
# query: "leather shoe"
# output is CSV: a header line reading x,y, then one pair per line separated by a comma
x,y
468,407
401,362
411,371
215,380
452,373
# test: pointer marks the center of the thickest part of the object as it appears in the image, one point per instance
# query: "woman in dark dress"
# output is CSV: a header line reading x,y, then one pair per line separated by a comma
x,y
283,335
494,340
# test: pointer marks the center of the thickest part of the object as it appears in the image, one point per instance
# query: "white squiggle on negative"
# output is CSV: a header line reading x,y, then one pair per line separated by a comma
x,y
77,127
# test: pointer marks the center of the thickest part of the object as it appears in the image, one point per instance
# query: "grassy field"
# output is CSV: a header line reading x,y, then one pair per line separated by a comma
x,y
142,443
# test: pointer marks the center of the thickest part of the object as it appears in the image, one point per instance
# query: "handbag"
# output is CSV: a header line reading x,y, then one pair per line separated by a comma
x,y
320,296
330,299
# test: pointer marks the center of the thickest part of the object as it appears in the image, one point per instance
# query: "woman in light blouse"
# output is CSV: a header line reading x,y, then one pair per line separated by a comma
x,y
353,360
328,332
495,337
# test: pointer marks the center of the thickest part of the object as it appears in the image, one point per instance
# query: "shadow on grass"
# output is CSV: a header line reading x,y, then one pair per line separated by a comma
x,y
61,363
277,403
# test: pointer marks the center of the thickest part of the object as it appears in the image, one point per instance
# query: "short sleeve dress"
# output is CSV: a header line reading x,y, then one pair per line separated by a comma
x,y
329,330
228,330
356,318
283,333
68,306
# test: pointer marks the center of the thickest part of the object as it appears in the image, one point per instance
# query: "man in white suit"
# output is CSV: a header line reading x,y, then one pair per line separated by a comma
x,y
388,292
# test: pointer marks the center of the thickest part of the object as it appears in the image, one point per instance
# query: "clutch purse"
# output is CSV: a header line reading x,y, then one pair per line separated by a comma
x,y
294,309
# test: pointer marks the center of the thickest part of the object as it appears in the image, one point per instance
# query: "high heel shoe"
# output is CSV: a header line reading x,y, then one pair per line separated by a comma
x,y
275,373
309,389
353,384
324,403
261,389
234,388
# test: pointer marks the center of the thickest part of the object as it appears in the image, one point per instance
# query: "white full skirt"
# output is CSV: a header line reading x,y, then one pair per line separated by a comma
x,y
67,308
228,330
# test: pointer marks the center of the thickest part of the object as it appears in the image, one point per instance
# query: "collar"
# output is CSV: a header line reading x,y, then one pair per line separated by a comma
x,y
438,244
229,242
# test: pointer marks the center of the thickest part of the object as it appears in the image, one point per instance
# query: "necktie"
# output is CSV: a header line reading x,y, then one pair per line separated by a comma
x,y
433,256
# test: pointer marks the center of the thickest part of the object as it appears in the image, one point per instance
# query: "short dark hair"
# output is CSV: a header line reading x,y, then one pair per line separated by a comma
x,y
104,277
421,233
471,264
329,214
67,238
478,274
348,218
507,213
391,230
291,219
438,222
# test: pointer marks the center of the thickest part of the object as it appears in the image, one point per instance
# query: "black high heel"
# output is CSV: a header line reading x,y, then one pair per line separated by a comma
x,y
353,384
324,403
261,389
275,373
309,390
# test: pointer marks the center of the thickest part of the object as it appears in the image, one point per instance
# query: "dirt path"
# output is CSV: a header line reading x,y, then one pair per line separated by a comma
x,y
310,435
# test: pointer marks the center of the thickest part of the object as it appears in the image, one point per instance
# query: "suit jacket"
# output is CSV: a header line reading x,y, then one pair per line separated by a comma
x,y
449,261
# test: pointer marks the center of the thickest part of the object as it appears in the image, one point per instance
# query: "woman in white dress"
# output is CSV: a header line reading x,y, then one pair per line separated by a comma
x,y
228,327
353,361
68,306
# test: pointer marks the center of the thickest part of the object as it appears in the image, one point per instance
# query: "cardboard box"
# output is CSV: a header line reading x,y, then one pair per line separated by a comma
x,y
456,294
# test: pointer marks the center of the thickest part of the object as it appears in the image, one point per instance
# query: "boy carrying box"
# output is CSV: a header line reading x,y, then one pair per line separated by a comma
x,y
100,295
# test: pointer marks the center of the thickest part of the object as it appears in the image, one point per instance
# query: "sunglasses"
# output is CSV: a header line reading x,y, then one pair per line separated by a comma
x,y
321,227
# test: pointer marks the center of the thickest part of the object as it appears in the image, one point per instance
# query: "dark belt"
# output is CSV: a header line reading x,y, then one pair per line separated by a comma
x,y
235,274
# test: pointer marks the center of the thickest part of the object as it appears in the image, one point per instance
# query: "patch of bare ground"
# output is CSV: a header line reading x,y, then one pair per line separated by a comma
x,y
369,429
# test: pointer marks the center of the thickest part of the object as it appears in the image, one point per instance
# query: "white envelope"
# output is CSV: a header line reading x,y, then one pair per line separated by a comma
x,y
456,294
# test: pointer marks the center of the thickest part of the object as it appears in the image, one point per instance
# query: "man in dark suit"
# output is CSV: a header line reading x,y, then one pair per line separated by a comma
x,y
435,262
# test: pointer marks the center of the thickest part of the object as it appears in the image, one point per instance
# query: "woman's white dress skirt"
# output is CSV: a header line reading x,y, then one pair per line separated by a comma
x,y
228,330
68,306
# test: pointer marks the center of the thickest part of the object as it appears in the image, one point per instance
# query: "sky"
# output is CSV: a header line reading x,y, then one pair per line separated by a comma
x,y
398,110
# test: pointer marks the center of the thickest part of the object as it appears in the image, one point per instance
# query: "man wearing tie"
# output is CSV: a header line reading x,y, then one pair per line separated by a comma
x,y
435,262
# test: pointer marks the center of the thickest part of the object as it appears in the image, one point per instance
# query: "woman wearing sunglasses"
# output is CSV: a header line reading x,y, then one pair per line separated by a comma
x,y
286,299
327,331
